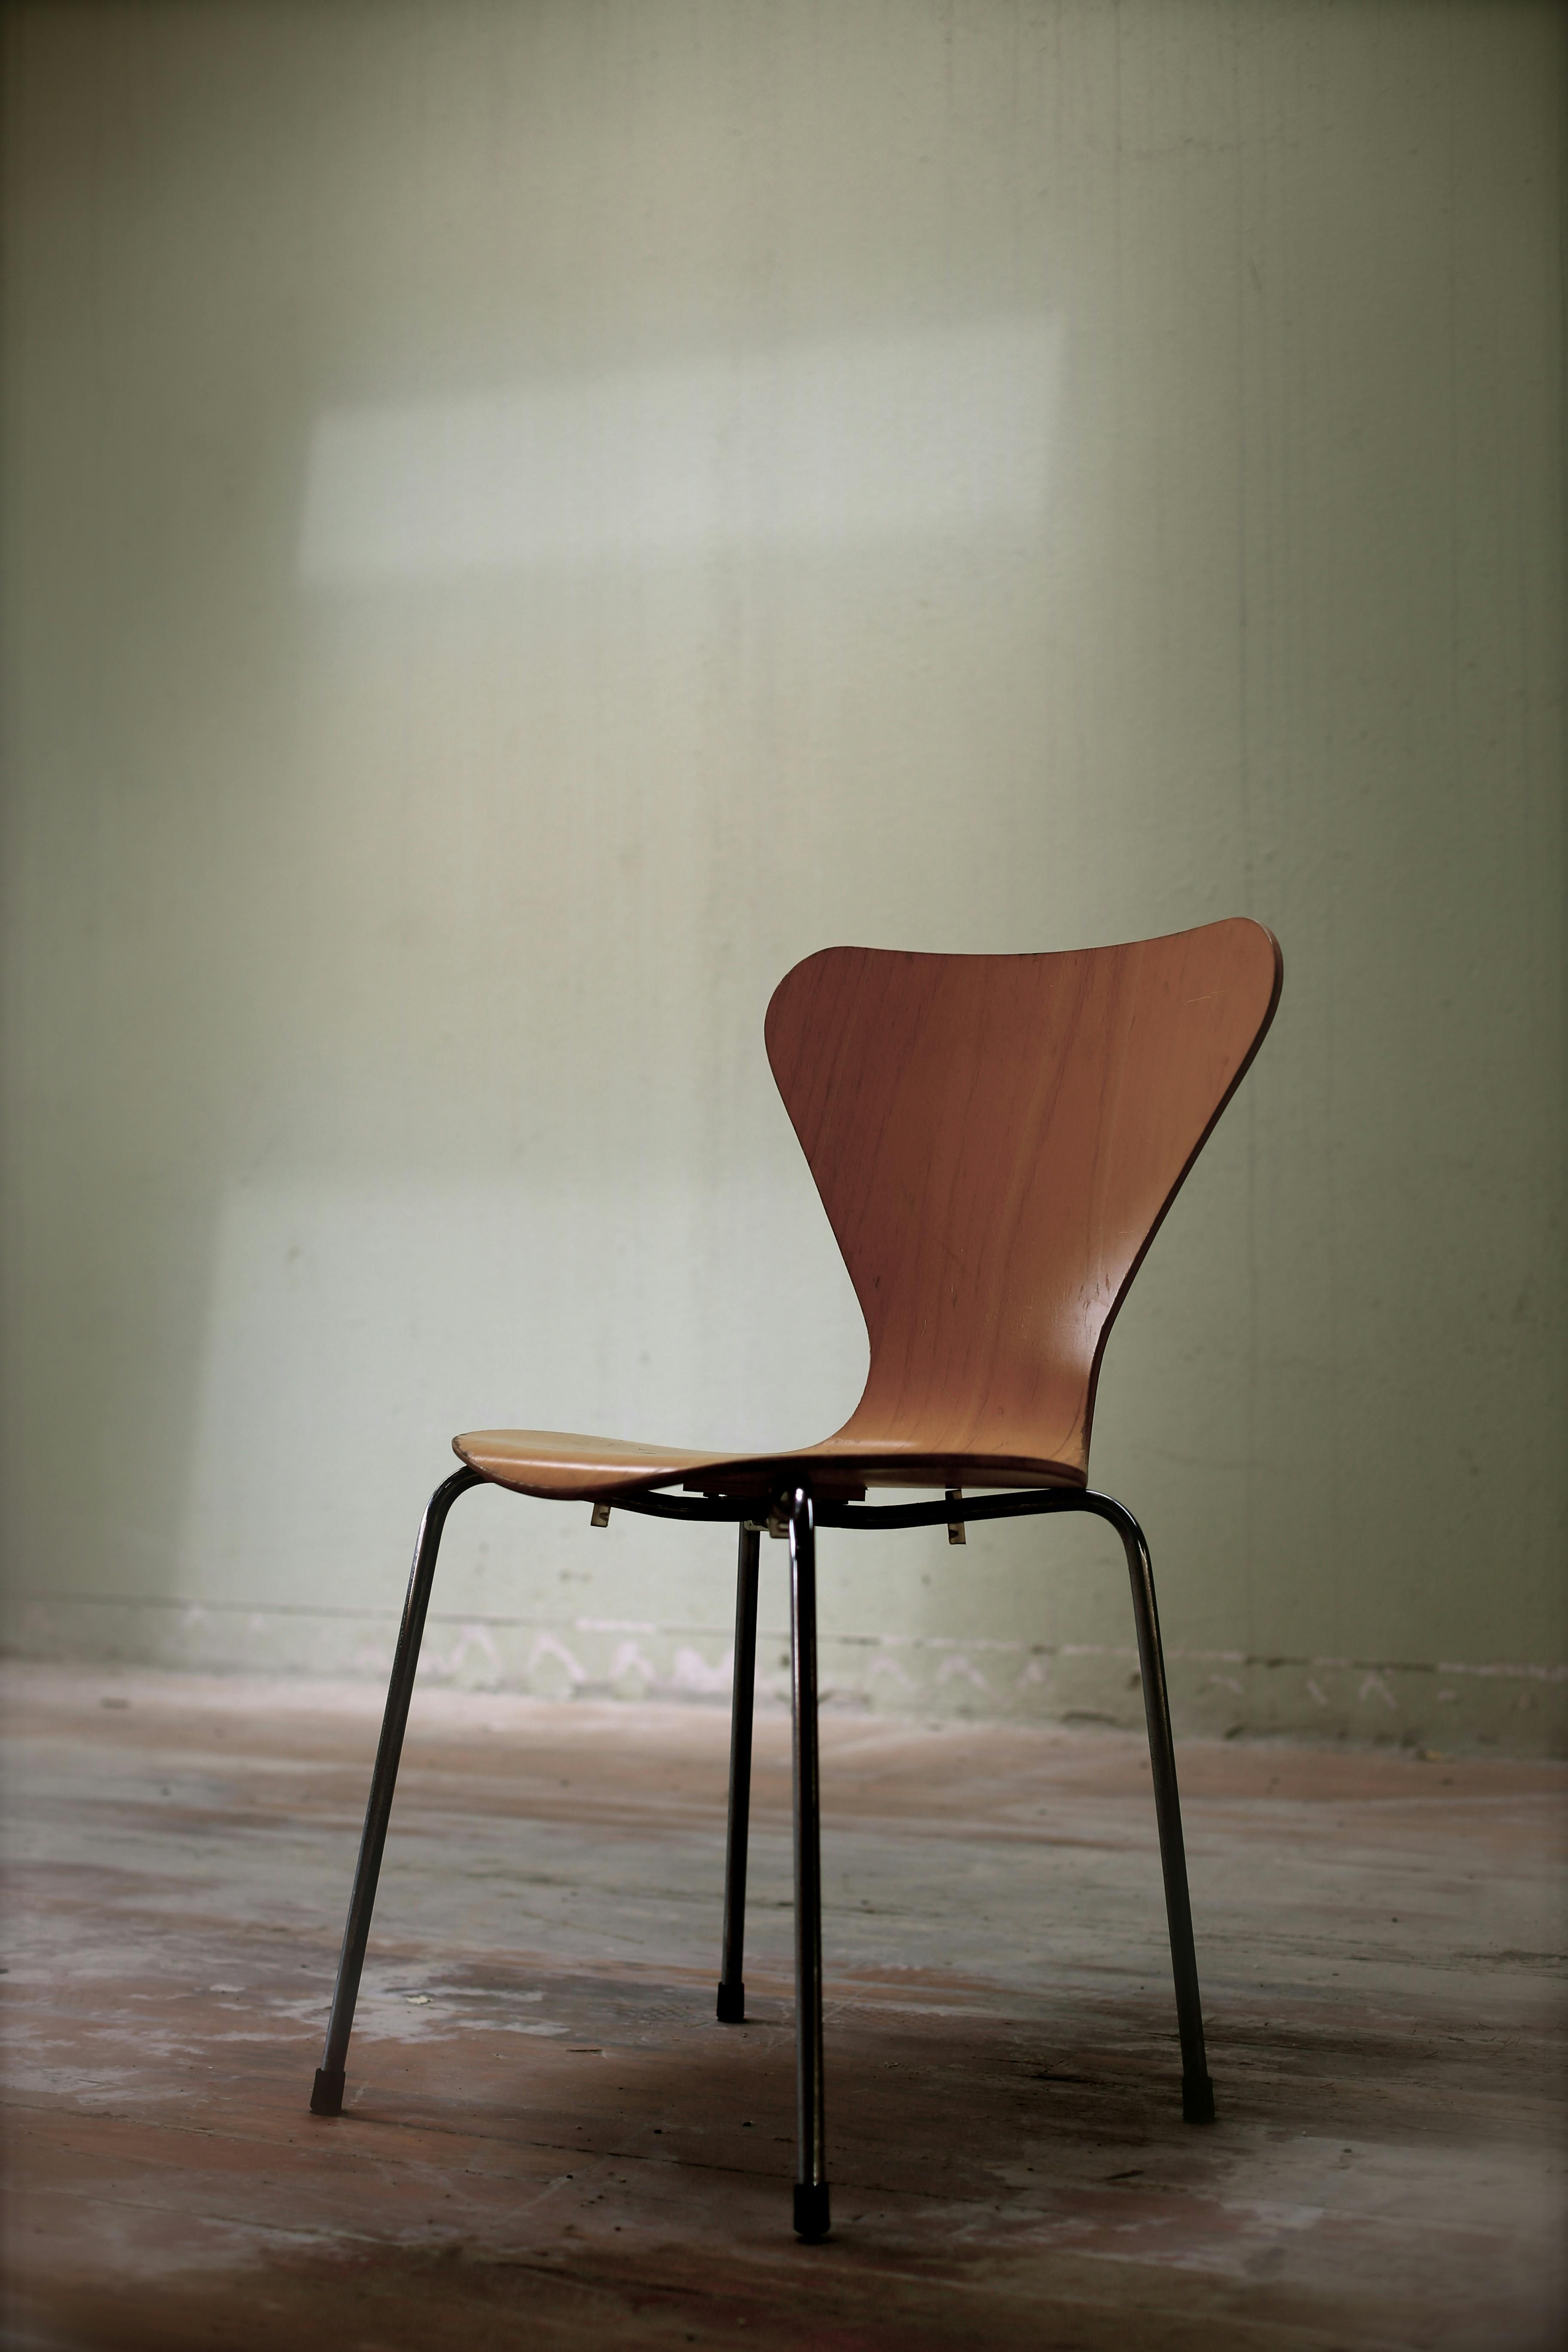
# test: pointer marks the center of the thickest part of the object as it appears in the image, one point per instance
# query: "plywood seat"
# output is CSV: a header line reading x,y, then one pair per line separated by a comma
x,y
560,1465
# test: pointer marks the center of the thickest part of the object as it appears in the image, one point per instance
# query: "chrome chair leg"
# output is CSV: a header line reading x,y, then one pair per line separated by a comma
x,y
1197,2091
731,1965
327,2096
810,2198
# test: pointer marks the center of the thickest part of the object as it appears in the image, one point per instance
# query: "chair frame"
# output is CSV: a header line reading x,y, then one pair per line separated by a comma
x,y
797,1513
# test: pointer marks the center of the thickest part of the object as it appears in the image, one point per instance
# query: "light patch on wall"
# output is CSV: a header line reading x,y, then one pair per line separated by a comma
x,y
824,444
351,1329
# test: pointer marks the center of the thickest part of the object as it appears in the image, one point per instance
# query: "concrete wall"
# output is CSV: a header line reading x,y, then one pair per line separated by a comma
x,y
523,520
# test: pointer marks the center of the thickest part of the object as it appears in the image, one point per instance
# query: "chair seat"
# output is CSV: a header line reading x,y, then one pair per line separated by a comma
x,y
560,1465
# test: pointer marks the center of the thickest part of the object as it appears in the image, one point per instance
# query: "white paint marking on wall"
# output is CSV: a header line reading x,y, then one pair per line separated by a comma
x,y
549,1645
1374,1686
891,1668
629,1659
473,1636
824,444
692,1673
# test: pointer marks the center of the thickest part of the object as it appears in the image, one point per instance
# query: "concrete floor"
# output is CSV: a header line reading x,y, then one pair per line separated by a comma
x,y
549,2141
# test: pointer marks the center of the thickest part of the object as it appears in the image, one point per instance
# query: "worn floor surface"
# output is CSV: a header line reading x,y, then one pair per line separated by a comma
x,y
549,2141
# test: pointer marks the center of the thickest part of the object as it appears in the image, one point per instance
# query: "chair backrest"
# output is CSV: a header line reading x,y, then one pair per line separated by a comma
x,y
995,1140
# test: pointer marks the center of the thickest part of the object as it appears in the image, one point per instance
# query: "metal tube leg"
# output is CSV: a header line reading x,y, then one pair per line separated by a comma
x,y
811,2200
327,2097
732,1965
1197,2091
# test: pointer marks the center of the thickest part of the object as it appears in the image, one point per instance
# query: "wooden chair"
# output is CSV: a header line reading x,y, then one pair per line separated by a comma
x,y
995,1140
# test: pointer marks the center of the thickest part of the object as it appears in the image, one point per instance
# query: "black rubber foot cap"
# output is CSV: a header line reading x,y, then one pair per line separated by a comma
x,y
731,2004
811,2215
1197,2099
327,2098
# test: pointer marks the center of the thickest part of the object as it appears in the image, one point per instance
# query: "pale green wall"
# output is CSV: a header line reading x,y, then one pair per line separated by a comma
x,y
984,477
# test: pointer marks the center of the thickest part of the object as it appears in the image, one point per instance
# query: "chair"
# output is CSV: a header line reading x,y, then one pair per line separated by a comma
x,y
995,1140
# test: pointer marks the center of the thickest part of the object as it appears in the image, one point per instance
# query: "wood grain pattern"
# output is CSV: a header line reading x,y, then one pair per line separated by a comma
x,y
996,1141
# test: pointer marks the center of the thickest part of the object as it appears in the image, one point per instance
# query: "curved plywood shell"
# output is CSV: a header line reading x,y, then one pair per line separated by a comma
x,y
996,1141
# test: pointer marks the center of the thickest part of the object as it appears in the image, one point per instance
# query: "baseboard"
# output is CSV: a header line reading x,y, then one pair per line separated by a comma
x,y
1517,1709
